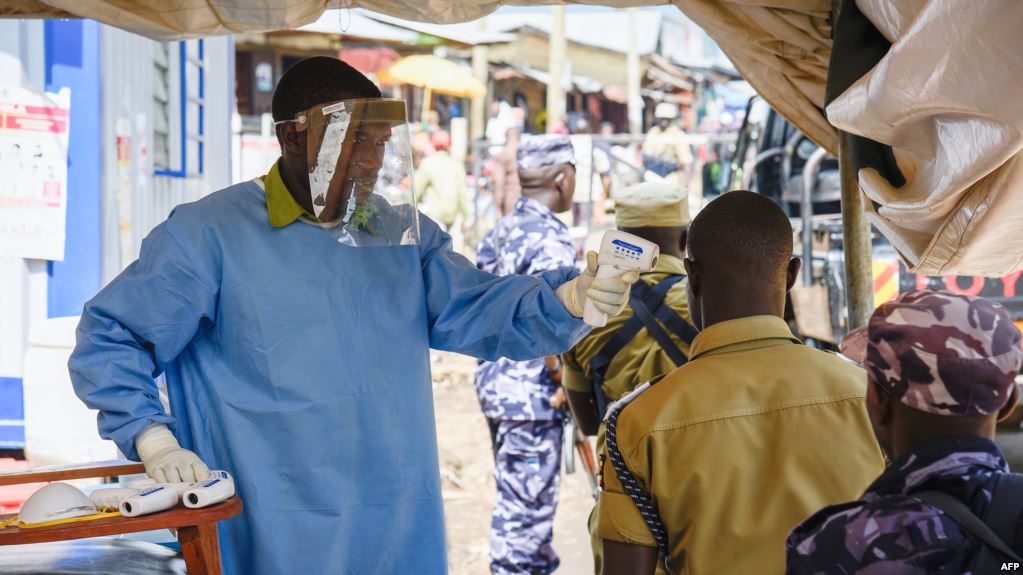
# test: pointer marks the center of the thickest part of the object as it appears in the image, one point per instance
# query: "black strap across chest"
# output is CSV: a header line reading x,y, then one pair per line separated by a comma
x,y
644,503
651,312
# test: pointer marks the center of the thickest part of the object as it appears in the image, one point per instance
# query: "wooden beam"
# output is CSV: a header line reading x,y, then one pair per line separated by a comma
x,y
480,69
556,68
67,472
201,549
173,518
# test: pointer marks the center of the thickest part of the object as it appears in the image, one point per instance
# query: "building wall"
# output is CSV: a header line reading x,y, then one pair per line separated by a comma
x,y
23,283
111,77
532,50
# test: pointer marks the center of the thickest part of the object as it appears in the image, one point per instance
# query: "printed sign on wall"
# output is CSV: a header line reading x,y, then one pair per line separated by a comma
x,y
33,174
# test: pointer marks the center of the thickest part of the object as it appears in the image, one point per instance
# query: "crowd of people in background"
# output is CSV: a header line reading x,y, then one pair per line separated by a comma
x,y
701,355
605,161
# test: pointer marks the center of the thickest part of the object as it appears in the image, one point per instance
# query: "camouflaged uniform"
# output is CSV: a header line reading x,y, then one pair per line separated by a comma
x,y
525,429
944,354
888,531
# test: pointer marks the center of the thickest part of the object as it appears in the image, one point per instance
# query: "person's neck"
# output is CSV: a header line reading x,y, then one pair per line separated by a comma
x,y
906,441
721,305
544,197
295,188
669,250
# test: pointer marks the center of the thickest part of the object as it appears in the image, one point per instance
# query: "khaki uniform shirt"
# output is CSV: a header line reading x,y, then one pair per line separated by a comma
x,y
753,435
639,361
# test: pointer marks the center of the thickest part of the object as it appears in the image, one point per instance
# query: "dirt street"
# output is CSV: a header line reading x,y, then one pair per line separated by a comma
x,y
466,465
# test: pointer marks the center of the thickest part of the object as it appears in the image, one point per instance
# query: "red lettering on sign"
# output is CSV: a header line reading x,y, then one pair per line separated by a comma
x,y
952,283
1009,284
921,282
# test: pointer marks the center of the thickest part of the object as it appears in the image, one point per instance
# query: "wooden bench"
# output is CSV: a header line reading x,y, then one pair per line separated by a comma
x,y
196,528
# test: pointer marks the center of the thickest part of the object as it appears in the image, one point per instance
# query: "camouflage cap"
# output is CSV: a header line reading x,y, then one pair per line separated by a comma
x,y
940,352
544,150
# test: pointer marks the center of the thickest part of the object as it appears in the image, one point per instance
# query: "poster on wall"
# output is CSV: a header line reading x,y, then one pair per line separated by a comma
x,y
34,131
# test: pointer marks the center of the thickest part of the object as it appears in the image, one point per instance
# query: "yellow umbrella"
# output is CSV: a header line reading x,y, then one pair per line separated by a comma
x,y
434,75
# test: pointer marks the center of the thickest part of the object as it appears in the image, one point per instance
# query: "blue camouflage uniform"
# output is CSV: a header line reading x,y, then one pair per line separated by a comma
x,y
888,531
940,353
525,429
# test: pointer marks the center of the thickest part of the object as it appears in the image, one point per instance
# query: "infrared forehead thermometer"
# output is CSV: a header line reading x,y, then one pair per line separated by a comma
x,y
619,254
146,496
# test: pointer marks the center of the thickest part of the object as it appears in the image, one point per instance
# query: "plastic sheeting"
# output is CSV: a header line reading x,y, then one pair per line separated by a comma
x,y
91,557
946,98
780,46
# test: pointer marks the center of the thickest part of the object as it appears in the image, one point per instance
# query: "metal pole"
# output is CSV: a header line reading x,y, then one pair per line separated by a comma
x,y
556,67
810,170
856,234
859,279
750,171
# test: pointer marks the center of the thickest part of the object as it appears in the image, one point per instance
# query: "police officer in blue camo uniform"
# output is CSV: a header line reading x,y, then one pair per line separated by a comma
x,y
515,396
941,370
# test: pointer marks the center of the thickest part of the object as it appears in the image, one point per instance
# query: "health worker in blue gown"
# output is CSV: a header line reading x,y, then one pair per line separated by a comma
x,y
292,317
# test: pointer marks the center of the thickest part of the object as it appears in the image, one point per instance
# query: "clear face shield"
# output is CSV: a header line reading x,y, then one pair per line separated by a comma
x,y
359,154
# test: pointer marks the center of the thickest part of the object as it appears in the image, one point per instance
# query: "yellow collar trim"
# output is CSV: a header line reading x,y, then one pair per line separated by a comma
x,y
281,207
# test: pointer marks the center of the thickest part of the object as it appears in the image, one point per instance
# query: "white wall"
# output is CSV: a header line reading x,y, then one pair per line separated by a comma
x,y
22,282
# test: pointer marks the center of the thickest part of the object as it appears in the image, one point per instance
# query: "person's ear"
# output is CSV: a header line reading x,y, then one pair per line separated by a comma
x,y
880,404
1010,406
291,139
792,273
567,186
693,275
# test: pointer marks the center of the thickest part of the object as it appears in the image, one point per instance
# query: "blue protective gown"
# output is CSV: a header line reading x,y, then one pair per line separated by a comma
x,y
302,367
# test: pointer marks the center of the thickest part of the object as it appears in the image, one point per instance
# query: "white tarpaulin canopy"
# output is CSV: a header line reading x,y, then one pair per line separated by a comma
x,y
945,97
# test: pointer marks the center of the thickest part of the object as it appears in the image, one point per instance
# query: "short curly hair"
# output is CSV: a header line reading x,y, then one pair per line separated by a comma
x,y
318,80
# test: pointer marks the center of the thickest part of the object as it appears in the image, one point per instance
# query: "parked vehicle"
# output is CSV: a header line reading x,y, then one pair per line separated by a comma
x,y
771,157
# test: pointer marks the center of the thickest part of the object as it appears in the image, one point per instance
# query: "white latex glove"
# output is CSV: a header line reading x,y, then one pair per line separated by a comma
x,y
609,294
165,460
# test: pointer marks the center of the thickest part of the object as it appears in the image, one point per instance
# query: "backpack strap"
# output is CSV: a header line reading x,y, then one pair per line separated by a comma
x,y
642,297
1005,511
657,332
642,311
968,520
656,302
639,497
600,362
676,324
